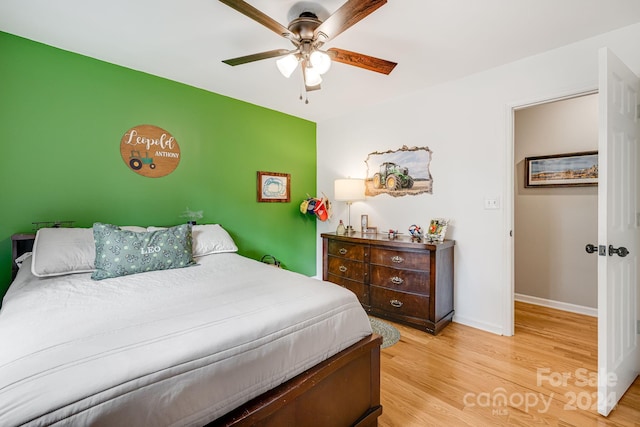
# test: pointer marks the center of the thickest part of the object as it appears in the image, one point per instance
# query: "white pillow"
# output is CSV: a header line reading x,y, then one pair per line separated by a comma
x,y
135,228
58,251
211,239
208,239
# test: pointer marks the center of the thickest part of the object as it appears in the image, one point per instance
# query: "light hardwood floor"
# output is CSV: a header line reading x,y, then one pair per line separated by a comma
x,y
546,374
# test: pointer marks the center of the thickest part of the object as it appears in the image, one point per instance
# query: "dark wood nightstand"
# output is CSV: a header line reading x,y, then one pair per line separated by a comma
x,y
20,243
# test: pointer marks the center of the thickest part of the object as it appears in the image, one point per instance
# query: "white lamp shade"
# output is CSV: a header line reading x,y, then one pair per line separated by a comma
x,y
320,61
312,77
348,189
287,64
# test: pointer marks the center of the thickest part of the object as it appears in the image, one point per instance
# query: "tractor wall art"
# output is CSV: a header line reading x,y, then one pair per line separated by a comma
x,y
399,172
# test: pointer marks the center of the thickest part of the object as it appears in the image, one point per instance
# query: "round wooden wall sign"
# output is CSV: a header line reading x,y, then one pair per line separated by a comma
x,y
150,151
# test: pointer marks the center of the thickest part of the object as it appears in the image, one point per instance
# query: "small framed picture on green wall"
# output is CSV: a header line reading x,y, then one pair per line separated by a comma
x,y
274,187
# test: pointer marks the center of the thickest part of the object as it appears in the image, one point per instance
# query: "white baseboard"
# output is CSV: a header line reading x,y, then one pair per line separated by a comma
x,y
565,306
478,325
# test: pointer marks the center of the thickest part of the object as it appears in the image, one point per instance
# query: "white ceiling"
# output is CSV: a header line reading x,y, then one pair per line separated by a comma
x,y
431,40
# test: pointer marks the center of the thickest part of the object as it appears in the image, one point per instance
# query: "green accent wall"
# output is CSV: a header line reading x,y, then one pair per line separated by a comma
x,y
62,116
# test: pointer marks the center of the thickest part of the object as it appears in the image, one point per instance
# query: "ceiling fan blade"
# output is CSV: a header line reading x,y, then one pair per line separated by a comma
x,y
363,61
349,14
256,57
258,16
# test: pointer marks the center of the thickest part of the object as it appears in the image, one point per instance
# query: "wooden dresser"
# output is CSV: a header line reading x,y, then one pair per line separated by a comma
x,y
395,279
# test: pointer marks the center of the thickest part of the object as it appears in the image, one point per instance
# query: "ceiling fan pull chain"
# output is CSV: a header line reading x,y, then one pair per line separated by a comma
x,y
306,94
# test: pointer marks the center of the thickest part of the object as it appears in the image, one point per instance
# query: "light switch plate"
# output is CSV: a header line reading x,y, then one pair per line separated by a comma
x,y
491,203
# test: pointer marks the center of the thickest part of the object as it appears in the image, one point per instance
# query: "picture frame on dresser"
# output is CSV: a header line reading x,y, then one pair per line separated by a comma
x,y
364,222
437,229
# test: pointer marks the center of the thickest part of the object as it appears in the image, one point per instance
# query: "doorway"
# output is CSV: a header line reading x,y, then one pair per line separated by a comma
x,y
553,224
618,220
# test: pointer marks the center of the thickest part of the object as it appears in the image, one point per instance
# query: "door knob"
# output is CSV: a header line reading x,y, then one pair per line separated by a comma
x,y
591,248
621,251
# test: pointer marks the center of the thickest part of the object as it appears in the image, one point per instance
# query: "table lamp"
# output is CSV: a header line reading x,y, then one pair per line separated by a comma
x,y
348,190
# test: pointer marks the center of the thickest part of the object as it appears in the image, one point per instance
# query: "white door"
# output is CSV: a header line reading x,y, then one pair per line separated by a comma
x,y
618,230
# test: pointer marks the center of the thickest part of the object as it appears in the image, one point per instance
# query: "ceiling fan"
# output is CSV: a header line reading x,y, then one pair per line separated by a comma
x,y
308,34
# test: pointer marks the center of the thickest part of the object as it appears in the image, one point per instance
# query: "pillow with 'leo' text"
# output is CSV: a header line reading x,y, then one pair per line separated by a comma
x,y
122,252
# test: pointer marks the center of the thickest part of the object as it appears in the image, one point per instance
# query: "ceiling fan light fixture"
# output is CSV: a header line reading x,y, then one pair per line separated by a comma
x,y
320,61
311,76
287,64
309,31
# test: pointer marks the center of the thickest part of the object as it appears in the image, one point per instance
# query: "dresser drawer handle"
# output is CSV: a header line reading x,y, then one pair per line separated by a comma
x,y
397,280
397,259
342,268
342,251
396,303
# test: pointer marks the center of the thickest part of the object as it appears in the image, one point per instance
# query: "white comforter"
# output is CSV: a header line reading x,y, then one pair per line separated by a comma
x,y
175,347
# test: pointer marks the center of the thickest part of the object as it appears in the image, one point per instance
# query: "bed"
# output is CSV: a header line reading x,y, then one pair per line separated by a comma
x,y
226,341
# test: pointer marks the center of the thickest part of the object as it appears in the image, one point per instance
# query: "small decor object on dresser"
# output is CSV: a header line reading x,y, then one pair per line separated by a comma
x,y
415,231
364,223
437,229
150,151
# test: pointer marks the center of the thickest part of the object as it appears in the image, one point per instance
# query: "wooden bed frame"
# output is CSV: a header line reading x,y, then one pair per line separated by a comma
x,y
343,390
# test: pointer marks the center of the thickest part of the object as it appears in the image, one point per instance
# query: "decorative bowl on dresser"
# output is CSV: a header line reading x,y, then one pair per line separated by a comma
x,y
397,279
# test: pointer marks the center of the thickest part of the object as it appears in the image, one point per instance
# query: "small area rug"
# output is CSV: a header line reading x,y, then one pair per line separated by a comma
x,y
390,335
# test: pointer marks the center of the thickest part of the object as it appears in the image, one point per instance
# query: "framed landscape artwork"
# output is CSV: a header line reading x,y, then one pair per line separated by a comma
x,y
562,170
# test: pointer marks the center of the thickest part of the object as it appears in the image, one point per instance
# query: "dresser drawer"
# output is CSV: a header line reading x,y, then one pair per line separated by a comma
x,y
401,259
347,250
354,270
400,303
360,289
401,280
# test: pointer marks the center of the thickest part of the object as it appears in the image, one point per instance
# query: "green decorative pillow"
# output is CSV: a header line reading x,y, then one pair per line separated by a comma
x,y
121,252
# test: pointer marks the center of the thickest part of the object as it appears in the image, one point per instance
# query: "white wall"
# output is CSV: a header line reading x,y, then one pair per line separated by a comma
x,y
468,125
553,225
